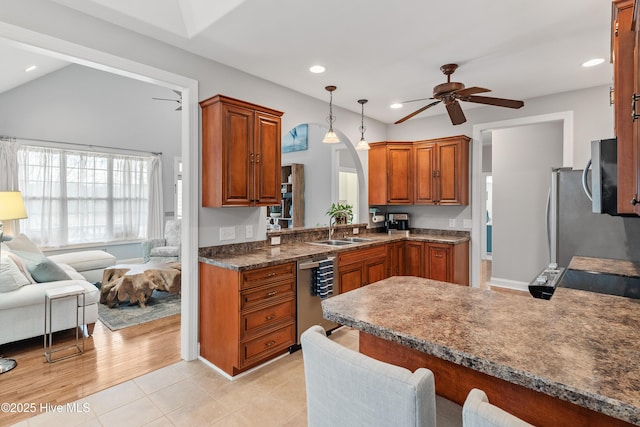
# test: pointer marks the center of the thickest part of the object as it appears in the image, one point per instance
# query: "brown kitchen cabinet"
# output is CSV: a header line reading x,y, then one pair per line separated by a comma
x,y
246,318
442,171
445,262
396,259
391,173
361,267
240,153
429,172
414,258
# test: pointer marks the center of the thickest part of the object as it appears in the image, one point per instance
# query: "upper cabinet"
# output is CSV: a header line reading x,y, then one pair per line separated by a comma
x,y
240,153
430,172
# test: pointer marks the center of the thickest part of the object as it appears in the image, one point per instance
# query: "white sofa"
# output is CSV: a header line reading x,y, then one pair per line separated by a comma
x,y
25,276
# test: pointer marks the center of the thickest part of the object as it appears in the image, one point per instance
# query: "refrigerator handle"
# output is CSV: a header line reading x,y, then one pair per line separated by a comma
x,y
546,223
585,185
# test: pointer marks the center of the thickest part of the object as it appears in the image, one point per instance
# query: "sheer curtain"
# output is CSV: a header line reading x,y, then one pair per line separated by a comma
x,y
156,202
9,178
77,197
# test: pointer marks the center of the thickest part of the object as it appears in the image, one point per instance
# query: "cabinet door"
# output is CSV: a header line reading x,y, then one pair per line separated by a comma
x,y
425,161
350,277
237,140
438,262
375,269
400,174
266,160
378,174
453,173
396,257
414,265
623,43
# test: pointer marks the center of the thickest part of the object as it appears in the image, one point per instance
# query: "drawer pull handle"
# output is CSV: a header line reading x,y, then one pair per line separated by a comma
x,y
272,294
270,343
271,274
270,317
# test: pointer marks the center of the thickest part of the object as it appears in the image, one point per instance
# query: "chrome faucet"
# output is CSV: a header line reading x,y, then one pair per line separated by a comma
x,y
333,218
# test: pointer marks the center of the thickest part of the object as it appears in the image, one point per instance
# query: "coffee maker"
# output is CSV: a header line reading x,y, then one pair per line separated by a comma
x,y
397,221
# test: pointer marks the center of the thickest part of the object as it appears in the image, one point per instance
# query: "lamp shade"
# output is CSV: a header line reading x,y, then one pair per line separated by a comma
x,y
11,205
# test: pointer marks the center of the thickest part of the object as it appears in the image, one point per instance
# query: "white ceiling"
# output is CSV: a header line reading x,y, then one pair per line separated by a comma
x,y
381,50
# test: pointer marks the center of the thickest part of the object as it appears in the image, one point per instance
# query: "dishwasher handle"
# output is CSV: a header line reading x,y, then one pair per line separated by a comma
x,y
313,264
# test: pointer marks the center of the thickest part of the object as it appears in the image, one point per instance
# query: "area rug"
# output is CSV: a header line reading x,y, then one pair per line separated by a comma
x,y
160,304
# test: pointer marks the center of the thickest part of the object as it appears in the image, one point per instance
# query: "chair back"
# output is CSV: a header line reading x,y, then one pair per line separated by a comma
x,y
173,232
478,412
346,388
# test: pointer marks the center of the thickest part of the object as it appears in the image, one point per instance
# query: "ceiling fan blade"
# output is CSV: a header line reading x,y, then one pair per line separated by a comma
x,y
177,92
414,100
500,102
455,113
416,112
179,108
166,99
470,91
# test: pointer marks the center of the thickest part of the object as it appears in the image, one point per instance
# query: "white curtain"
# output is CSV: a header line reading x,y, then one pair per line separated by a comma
x,y
9,178
130,198
156,203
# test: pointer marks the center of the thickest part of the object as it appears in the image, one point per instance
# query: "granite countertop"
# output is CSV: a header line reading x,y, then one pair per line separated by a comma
x,y
579,346
605,265
288,252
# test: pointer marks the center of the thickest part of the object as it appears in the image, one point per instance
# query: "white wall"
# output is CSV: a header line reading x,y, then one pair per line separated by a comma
x,y
213,78
522,161
83,105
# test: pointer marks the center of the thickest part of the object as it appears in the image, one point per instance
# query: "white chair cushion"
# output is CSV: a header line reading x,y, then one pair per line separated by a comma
x,y
478,412
85,260
165,251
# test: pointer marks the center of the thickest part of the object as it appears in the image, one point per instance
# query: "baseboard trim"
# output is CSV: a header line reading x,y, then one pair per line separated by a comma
x,y
509,284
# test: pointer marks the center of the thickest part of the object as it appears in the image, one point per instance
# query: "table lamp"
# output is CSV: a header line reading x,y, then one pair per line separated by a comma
x,y
11,207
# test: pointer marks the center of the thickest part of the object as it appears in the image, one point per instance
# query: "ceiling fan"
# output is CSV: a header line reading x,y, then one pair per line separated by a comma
x,y
179,101
450,92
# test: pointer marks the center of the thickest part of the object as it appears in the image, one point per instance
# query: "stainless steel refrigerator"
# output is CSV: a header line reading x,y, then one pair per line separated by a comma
x,y
574,229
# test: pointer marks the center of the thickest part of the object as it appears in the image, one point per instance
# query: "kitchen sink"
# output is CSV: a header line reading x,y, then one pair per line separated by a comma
x,y
331,242
355,240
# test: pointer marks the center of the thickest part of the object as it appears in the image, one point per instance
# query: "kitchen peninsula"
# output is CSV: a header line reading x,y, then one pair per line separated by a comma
x,y
572,360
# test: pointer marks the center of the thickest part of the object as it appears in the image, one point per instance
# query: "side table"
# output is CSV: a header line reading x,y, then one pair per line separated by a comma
x,y
51,295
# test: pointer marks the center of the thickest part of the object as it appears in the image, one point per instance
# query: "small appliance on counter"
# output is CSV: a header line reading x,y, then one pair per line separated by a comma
x,y
397,222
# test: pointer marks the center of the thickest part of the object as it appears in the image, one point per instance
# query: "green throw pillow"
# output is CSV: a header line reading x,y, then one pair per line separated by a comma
x,y
45,270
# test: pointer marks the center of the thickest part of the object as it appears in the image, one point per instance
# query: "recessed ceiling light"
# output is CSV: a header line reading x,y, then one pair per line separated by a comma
x,y
317,69
396,105
593,62
30,68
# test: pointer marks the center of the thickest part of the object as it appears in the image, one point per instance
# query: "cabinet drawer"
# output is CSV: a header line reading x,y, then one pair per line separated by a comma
x,y
362,255
268,316
262,276
260,348
266,294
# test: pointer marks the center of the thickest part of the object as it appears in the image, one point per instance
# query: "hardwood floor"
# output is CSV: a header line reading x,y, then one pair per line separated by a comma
x,y
110,358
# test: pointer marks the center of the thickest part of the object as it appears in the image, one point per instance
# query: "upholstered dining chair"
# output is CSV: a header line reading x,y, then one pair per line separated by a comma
x,y
346,388
478,412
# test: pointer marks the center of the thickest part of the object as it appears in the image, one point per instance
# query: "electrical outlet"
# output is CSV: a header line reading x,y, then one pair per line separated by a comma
x,y
466,223
248,231
452,222
275,240
227,233
356,230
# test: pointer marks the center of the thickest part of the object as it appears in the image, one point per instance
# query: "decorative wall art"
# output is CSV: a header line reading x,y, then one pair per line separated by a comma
x,y
296,139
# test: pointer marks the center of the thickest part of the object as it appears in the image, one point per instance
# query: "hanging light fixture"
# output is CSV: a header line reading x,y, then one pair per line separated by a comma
x,y
330,137
363,144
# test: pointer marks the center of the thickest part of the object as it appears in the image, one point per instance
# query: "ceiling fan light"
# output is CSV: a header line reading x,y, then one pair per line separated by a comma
x,y
330,137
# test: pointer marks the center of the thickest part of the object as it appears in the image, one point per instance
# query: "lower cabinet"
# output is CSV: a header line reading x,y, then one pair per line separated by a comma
x,y
360,267
246,318
396,258
438,261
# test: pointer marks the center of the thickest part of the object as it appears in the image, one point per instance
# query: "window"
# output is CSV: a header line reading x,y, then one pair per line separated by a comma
x,y
76,197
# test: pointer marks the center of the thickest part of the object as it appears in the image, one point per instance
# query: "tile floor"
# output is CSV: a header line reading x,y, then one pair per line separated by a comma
x,y
192,394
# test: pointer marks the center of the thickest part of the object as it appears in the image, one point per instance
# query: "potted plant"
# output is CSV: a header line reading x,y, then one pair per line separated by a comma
x,y
341,213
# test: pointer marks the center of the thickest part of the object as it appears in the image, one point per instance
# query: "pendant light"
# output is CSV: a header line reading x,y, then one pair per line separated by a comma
x,y
330,137
363,144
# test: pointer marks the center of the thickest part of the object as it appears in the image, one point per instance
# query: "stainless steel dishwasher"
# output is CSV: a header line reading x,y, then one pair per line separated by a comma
x,y
308,306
